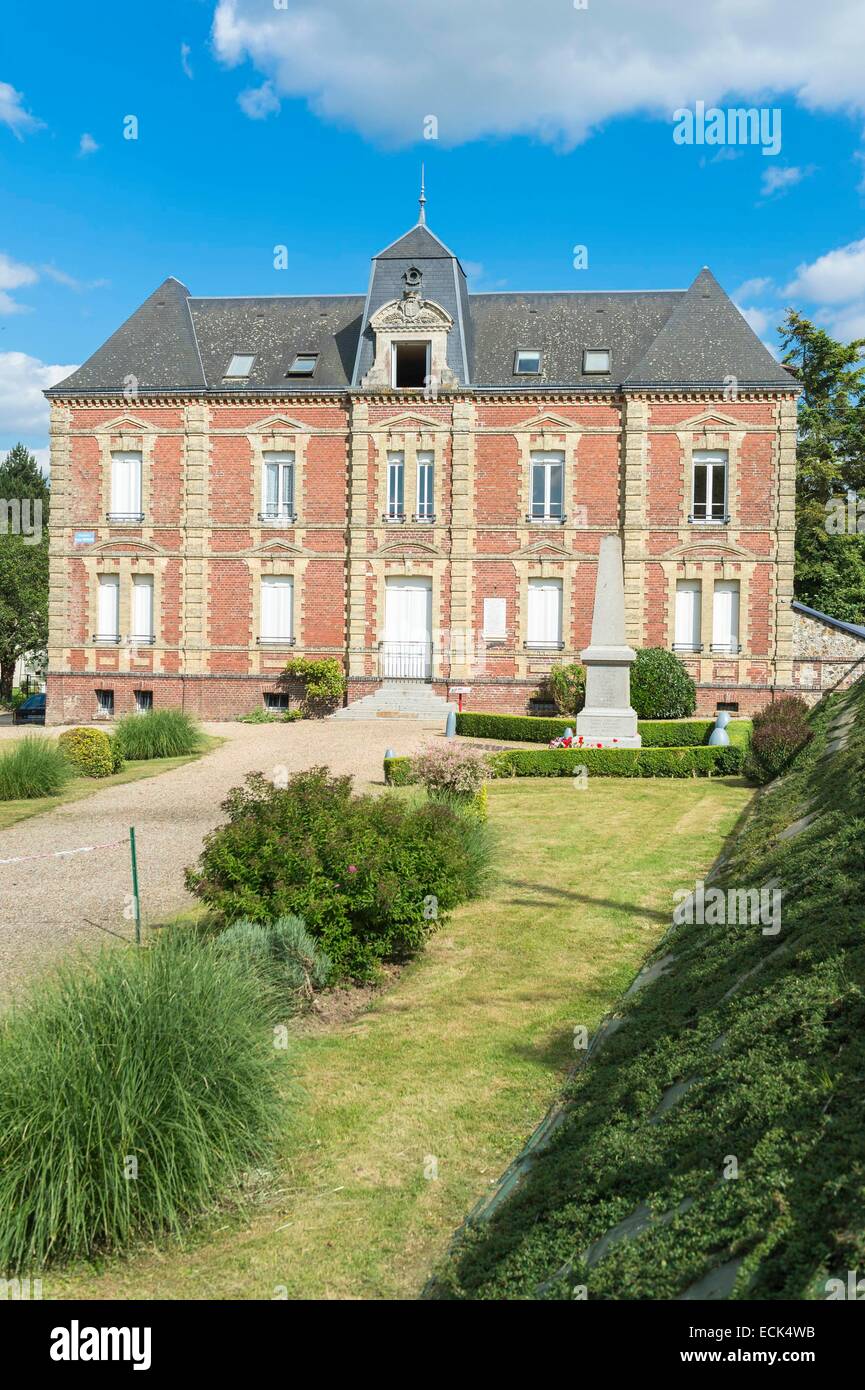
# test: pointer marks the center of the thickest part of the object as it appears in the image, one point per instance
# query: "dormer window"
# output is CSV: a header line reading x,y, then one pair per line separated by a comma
x,y
304,364
596,361
527,362
239,367
411,364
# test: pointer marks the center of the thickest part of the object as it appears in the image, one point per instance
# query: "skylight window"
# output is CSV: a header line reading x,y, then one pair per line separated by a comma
x,y
527,362
304,364
239,367
596,360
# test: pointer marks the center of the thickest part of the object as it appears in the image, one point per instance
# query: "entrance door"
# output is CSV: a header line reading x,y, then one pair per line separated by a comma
x,y
407,645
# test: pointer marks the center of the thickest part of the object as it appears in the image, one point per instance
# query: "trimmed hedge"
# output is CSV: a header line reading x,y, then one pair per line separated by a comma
x,y
655,733
600,762
618,762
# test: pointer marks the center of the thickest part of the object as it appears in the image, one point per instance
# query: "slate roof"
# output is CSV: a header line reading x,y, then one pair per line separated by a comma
x,y
852,628
177,342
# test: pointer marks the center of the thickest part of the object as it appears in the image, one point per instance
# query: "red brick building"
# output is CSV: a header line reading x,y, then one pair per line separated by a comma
x,y
416,481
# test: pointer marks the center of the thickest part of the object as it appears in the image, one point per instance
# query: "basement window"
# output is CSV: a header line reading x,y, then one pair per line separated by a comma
x,y
527,362
276,701
143,701
239,367
596,360
105,704
304,364
410,364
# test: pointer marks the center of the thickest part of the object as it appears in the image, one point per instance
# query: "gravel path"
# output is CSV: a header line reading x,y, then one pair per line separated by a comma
x,y
53,905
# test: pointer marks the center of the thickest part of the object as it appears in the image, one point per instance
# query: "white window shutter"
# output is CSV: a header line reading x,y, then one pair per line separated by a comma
x,y
725,614
109,606
126,484
276,609
545,612
688,613
142,607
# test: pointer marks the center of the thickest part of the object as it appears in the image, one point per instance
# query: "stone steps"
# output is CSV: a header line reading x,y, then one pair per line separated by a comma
x,y
397,701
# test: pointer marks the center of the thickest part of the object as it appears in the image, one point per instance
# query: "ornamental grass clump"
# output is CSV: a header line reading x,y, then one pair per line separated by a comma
x,y
33,767
138,1088
453,775
160,733
292,965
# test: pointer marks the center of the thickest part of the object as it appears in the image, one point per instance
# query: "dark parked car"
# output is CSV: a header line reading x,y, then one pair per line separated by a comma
x,y
31,711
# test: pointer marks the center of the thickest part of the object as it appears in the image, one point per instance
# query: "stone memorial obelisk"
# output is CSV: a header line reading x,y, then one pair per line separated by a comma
x,y
607,717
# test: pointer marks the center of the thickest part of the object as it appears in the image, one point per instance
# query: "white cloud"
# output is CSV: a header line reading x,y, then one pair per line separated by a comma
x,y
13,114
259,102
779,180
835,278
87,145
547,70
61,277
14,274
751,289
185,51
23,408
759,319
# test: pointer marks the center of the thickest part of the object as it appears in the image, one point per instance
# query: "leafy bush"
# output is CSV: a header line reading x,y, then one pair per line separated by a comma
x,y
617,762
155,1055
91,752
290,961
160,733
660,686
399,772
446,768
260,715
33,767
567,687
780,731
323,680
370,875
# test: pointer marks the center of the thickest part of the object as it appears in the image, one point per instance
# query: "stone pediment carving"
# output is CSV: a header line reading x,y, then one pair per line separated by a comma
x,y
413,313
115,546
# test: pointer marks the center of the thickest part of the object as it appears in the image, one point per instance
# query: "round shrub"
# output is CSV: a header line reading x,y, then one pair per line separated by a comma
x,y
660,686
371,876
158,1056
90,752
32,767
567,687
780,731
160,733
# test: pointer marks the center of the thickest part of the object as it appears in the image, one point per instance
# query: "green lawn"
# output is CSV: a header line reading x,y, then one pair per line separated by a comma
x,y
450,1070
78,787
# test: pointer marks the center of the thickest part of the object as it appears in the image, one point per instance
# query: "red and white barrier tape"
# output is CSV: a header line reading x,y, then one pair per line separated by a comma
x,y
64,853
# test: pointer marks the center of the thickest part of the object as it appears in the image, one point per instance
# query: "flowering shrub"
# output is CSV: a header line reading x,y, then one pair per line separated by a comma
x,y
780,731
448,769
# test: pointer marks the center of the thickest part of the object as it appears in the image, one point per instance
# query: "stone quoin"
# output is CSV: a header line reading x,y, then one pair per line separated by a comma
x,y
416,481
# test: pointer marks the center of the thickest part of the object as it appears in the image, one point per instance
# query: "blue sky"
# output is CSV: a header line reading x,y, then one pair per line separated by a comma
x,y
303,124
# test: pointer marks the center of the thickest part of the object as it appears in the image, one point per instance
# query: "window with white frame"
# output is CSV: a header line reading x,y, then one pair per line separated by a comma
x,y
277,595
125,502
688,605
278,487
710,486
395,487
425,480
239,367
545,613
548,468
304,364
108,609
142,608
725,616
596,361
527,362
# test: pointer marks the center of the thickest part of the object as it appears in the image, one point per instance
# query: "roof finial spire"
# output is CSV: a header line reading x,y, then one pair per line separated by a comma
x,y
422,200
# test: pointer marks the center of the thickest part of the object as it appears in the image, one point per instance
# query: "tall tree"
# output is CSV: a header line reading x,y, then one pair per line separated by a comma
x,y
24,502
830,464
